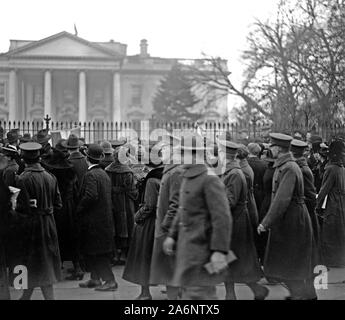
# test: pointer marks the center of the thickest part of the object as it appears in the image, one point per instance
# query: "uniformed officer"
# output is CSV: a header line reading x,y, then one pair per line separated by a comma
x,y
289,249
36,241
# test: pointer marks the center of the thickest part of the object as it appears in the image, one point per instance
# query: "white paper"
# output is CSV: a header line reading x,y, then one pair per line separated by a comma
x,y
15,193
324,203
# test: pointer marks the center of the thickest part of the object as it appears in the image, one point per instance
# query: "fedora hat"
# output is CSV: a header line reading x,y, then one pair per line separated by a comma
x,y
95,152
42,136
13,135
107,148
26,138
73,142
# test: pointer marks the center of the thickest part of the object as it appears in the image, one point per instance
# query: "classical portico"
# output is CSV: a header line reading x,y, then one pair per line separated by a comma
x,y
66,77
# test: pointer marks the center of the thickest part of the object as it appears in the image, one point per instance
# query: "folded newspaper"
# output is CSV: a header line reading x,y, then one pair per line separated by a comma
x,y
15,193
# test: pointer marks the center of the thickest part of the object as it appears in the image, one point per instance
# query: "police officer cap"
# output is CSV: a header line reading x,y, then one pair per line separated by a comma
x,y
229,144
30,146
280,139
298,144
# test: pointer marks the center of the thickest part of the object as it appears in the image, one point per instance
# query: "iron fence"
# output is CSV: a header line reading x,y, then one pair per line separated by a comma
x,y
99,131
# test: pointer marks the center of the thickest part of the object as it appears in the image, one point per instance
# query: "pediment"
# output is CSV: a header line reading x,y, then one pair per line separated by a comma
x,y
62,45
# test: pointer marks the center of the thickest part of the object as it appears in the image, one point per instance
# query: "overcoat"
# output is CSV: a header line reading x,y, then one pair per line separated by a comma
x,y
246,268
162,265
36,242
249,175
66,219
259,167
79,164
106,161
138,264
4,223
95,213
10,173
290,244
333,227
203,225
310,196
123,194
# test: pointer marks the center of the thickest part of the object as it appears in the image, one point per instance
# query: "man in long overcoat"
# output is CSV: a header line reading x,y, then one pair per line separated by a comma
x,y
202,227
242,155
96,223
76,157
289,249
37,245
246,269
298,149
162,265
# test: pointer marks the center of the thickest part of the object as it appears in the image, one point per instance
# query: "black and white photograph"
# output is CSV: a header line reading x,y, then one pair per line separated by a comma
x,y
174,150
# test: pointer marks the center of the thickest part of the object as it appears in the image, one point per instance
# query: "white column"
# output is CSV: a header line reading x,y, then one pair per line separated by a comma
x,y
82,96
29,99
12,96
47,93
116,97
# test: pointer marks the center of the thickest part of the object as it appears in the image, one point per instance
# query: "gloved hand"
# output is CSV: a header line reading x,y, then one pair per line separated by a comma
x,y
168,246
218,260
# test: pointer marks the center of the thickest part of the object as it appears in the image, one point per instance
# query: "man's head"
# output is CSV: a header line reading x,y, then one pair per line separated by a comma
x,y
94,154
3,161
254,149
280,144
30,152
73,143
298,148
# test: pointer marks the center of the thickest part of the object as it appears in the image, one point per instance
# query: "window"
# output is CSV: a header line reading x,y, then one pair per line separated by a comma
x,y
38,95
2,93
136,95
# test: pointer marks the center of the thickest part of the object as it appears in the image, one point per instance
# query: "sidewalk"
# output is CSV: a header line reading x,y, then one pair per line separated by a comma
x,y
69,290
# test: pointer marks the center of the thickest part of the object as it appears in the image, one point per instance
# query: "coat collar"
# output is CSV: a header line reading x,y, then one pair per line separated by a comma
x,y
118,168
169,167
244,163
96,166
282,160
302,162
194,170
34,168
232,165
76,155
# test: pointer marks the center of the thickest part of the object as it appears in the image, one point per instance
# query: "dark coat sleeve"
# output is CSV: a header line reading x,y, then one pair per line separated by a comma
x,y
327,184
282,198
174,192
149,205
9,176
57,202
218,207
309,187
233,191
23,200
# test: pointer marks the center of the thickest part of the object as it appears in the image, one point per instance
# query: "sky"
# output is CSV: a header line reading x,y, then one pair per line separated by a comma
x,y
173,28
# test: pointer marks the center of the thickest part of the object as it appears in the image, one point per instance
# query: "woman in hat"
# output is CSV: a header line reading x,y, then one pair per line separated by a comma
x,y
137,269
65,218
331,206
124,194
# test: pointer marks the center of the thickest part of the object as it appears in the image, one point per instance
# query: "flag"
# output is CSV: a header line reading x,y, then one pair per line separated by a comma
x,y
75,30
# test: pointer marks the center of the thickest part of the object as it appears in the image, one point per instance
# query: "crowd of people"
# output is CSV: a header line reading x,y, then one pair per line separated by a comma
x,y
196,214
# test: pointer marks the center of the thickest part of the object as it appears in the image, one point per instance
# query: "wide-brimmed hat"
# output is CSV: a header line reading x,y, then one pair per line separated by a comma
x,y
26,138
73,142
107,149
95,152
9,150
118,143
13,135
42,136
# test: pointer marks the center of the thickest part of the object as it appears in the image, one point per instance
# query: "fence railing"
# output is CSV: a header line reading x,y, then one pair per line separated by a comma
x,y
99,131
